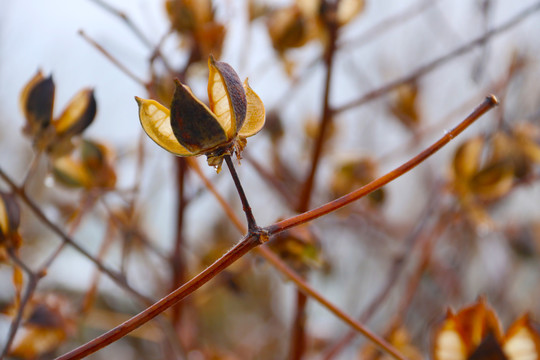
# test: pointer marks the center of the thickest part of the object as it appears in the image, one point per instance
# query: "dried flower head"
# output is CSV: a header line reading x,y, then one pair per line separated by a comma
x,y
475,333
54,135
191,128
89,167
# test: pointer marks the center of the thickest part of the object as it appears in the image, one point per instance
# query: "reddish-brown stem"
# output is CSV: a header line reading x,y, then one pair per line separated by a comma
x,y
177,259
239,250
394,274
326,119
298,328
300,283
283,225
263,250
435,64
252,224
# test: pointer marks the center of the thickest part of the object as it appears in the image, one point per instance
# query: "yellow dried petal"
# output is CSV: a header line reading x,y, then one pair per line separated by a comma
x,y
521,346
10,215
255,114
78,114
449,346
522,340
4,220
226,96
156,122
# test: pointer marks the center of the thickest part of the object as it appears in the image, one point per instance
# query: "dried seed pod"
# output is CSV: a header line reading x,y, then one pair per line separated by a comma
x,y
191,128
10,216
53,136
474,333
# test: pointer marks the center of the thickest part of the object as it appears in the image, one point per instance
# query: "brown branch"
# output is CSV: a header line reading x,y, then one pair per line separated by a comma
x,y
427,68
238,251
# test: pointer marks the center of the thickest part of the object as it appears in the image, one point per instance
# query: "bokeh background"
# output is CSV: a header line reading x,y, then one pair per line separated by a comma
x,y
249,311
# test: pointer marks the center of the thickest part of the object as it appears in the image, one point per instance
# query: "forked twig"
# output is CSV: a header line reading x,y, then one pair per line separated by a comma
x,y
258,238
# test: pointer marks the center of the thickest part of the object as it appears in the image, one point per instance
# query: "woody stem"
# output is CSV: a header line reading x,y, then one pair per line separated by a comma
x,y
252,224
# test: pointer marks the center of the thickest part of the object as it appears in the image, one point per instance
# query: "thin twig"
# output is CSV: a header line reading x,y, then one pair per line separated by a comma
x,y
270,256
122,15
435,64
112,59
387,24
252,224
237,252
490,102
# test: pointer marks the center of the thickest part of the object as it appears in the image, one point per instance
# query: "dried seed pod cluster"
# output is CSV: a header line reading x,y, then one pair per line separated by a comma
x,y
50,135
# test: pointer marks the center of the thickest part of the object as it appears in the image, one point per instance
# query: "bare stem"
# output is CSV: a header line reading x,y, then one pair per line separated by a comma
x,y
300,283
238,251
252,224
177,259
489,102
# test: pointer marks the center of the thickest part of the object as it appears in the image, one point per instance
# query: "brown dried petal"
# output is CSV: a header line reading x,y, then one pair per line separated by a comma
x,y
227,97
193,124
37,100
489,349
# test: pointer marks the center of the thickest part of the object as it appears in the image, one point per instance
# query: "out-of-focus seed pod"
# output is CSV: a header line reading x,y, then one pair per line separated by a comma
x,y
475,333
53,136
37,101
10,217
77,115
